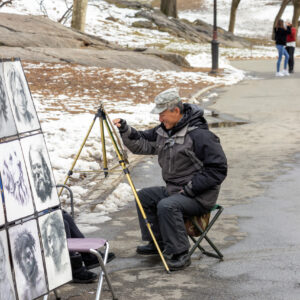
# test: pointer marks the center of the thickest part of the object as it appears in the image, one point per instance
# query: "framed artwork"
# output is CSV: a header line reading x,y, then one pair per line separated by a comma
x,y
7,123
27,260
55,249
7,290
39,172
19,97
2,218
17,193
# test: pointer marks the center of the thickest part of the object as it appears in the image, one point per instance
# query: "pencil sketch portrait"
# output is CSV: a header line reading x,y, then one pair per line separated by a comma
x,y
17,194
40,173
55,249
7,124
28,263
6,283
20,97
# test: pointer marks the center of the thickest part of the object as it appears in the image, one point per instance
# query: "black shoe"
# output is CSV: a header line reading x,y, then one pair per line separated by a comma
x,y
179,262
148,249
93,262
84,277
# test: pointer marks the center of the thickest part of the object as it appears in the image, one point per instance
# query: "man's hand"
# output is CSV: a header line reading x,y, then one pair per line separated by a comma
x,y
121,124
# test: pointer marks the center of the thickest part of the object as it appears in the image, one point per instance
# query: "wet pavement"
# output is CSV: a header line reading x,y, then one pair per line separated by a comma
x,y
258,233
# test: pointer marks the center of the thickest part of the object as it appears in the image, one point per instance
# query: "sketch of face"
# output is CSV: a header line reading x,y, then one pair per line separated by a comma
x,y
53,232
54,244
40,173
2,262
13,179
25,256
19,98
3,106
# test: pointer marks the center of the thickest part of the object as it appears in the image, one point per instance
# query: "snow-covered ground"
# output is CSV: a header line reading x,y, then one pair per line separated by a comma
x,y
64,131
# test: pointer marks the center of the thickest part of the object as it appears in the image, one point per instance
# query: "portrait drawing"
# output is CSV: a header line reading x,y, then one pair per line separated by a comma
x,y
27,260
2,218
20,97
40,172
17,193
6,282
7,124
55,248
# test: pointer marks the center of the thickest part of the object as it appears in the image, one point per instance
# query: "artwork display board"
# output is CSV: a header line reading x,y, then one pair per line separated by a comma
x,y
7,122
2,218
17,193
55,249
39,172
34,256
7,290
19,96
27,260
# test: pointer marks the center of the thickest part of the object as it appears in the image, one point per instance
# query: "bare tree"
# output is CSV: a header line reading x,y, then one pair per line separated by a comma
x,y
234,6
296,13
279,15
79,14
169,8
2,3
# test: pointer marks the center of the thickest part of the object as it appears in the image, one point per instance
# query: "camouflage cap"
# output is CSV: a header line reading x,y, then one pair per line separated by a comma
x,y
166,100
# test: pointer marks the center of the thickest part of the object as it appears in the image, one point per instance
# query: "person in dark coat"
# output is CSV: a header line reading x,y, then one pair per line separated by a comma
x,y
193,167
281,33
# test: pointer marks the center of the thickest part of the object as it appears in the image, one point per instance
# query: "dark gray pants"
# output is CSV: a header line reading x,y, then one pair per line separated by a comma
x,y
165,214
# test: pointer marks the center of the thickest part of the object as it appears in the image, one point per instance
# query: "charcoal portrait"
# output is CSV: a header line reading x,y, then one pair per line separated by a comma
x,y
2,218
20,98
27,258
7,124
17,194
55,249
6,283
40,172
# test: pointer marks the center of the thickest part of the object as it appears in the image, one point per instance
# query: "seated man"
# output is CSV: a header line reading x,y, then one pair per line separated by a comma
x,y
193,166
80,271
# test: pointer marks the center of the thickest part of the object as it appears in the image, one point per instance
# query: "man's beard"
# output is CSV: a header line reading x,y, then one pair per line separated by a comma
x,y
43,189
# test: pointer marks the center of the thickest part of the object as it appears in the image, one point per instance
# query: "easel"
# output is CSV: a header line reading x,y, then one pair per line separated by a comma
x,y
104,120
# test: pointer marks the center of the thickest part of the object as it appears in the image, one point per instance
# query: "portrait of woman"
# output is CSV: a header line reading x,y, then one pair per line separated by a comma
x,y
6,283
7,124
55,248
20,98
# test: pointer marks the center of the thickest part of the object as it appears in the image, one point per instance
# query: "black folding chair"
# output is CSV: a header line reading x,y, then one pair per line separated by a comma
x,y
197,229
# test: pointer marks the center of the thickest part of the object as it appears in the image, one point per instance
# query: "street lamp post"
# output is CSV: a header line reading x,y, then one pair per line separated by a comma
x,y
215,43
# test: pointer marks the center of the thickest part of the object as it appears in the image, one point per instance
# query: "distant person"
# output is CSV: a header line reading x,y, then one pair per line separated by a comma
x,y
6,290
291,45
25,255
40,172
281,32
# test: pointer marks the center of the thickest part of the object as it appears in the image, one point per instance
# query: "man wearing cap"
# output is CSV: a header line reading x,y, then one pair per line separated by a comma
x,y
193,167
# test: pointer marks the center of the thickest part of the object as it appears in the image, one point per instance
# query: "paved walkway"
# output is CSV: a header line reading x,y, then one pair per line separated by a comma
x,y
258,230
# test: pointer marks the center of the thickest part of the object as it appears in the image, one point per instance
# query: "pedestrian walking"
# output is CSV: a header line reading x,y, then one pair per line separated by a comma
x,y
193,167
291,45
281,32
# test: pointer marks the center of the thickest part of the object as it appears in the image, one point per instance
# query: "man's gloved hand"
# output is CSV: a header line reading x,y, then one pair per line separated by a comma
x,y
121,124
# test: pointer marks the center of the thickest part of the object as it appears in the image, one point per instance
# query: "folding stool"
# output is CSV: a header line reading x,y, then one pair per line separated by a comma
x,y
197,229
91,245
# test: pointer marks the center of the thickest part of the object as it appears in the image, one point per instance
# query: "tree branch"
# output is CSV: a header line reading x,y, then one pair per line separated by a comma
x,y
5,3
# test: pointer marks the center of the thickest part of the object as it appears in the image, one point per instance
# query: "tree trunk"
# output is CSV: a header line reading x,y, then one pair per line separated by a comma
x,y
296,14
279,15
169,8
234,6
79,14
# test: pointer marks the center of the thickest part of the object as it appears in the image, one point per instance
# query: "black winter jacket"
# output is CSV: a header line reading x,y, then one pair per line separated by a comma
x,y
191,156
281,34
